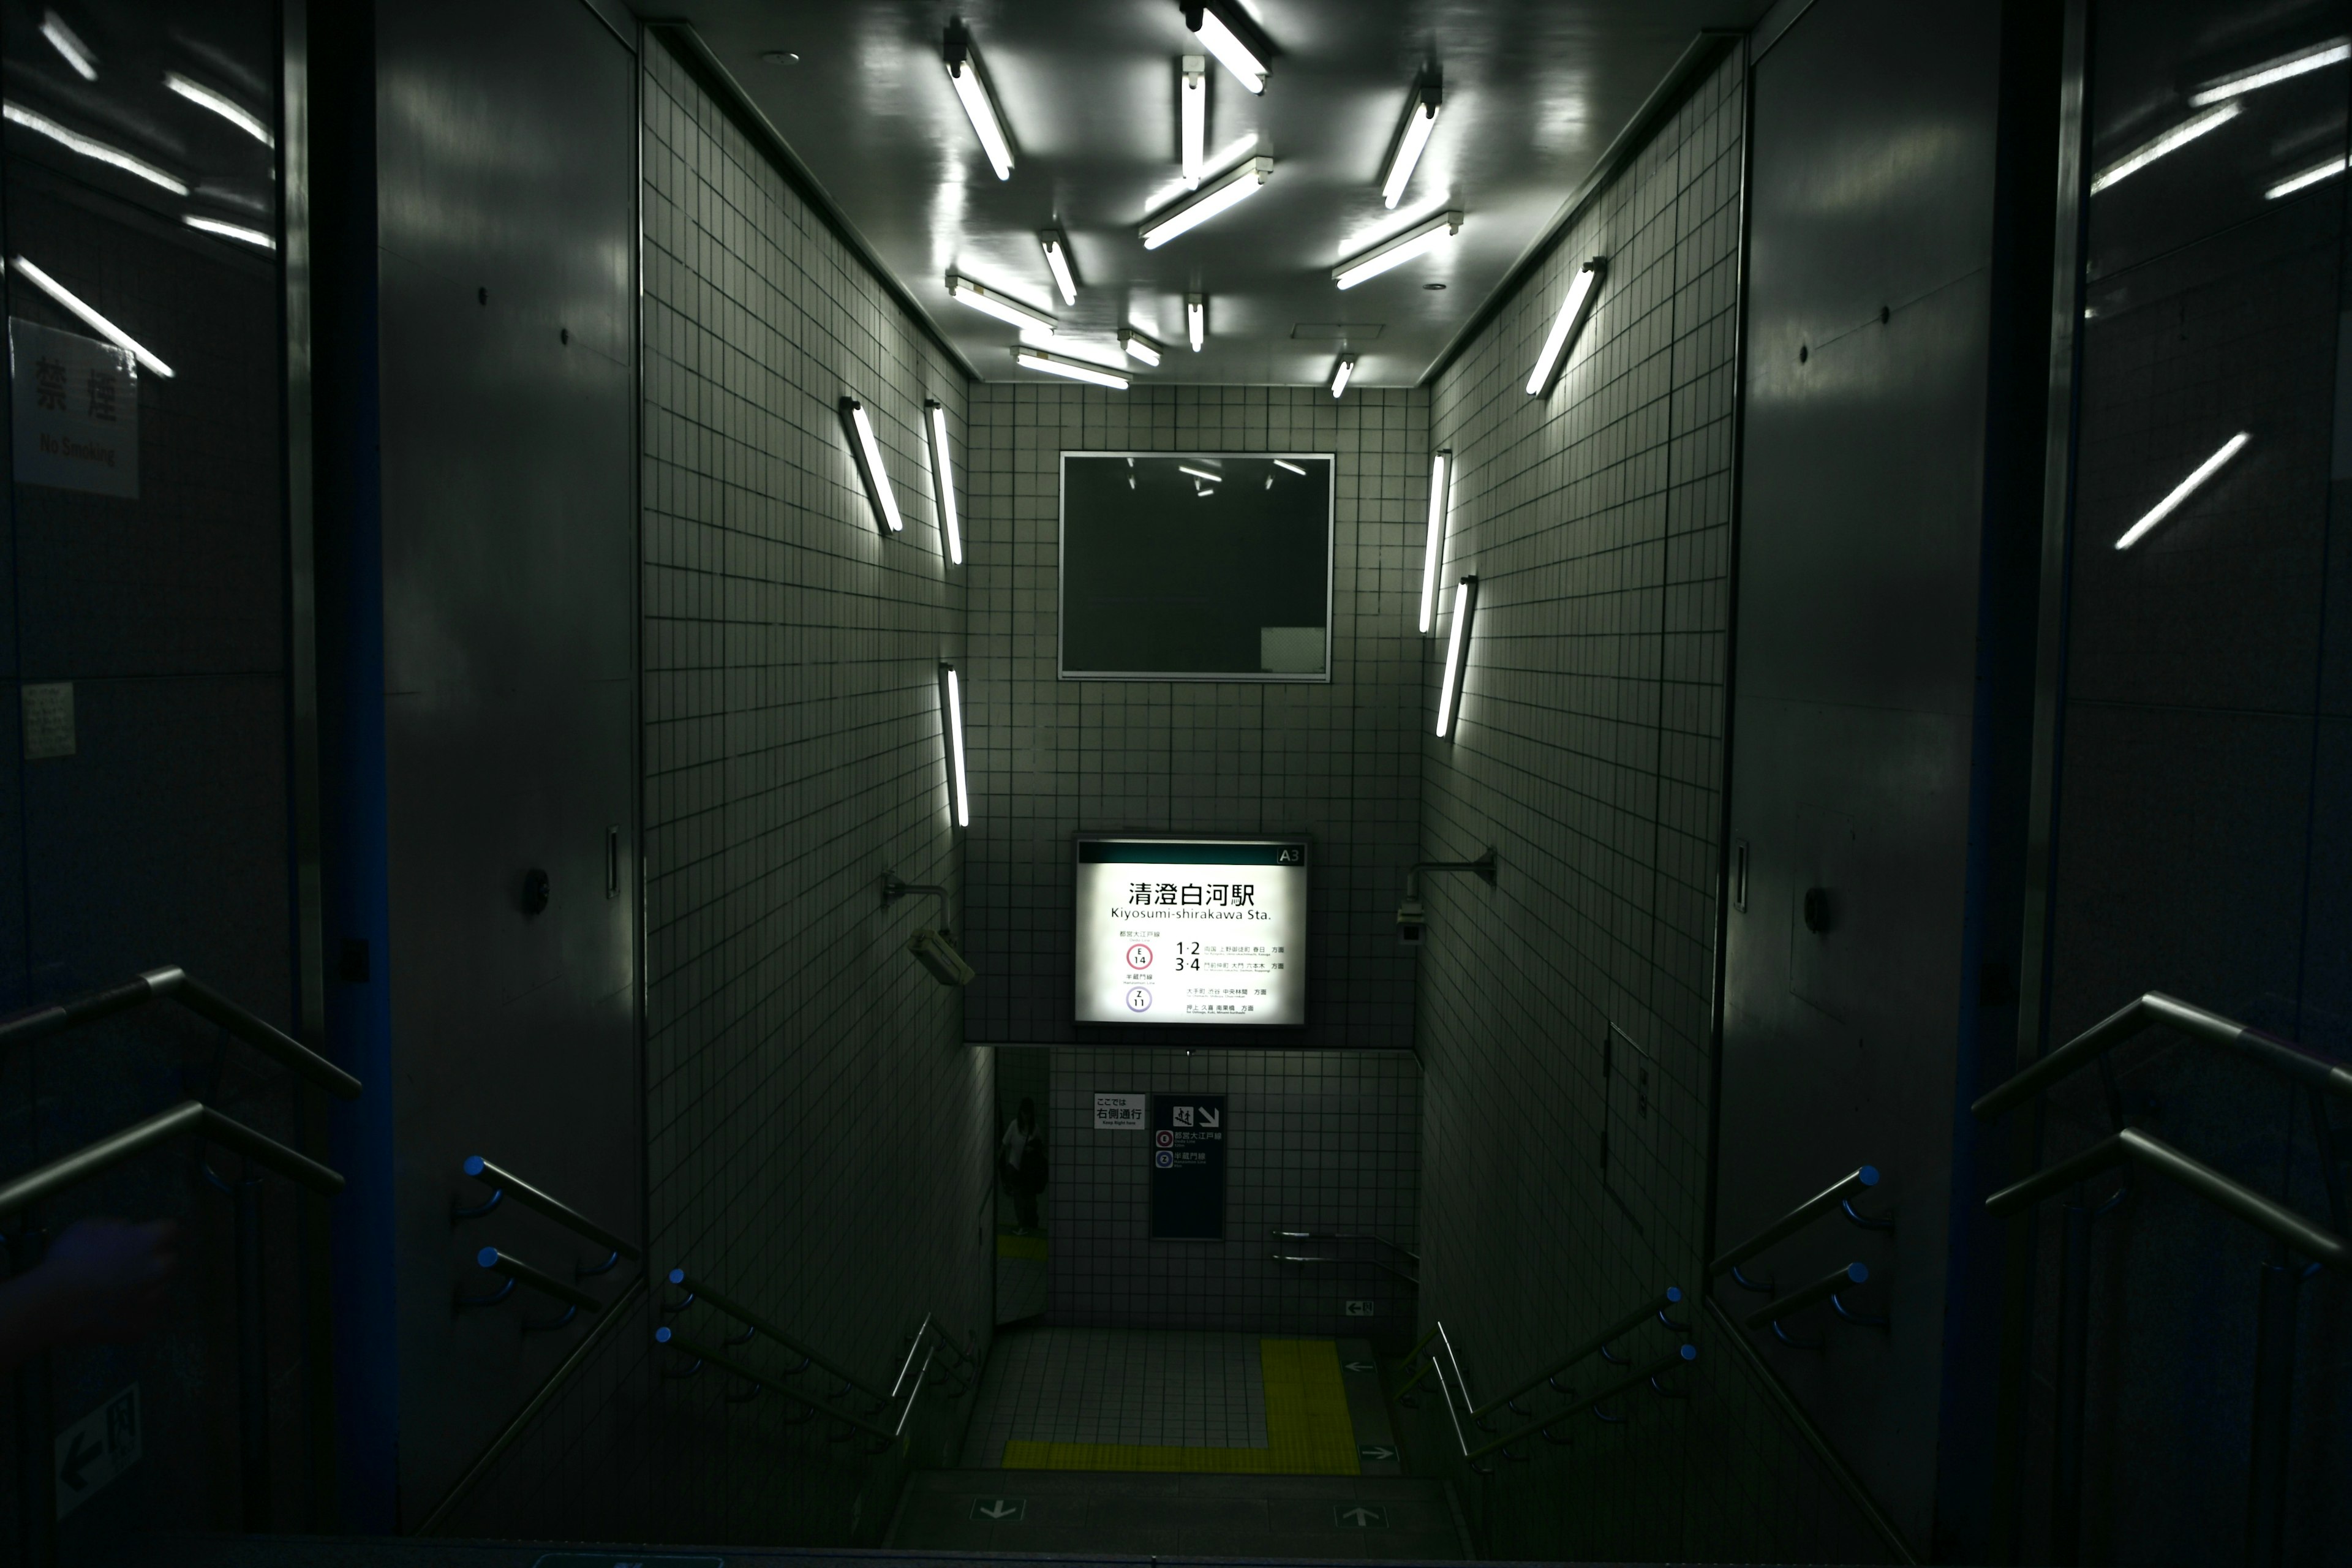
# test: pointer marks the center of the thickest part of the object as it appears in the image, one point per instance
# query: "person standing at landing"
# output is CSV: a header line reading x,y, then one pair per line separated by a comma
x,y
1022,1165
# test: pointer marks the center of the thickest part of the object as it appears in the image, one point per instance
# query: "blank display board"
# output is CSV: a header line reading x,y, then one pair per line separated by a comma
x,y
1196,566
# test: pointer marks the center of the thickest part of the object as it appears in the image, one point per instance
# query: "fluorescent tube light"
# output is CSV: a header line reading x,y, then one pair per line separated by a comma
x,y
2183,490
62,39
951,728
971,85
935,427
1294,467
990,302
222,104
1057,262
1196,319
1340,372
2172,141
1457,653
1237,186
2309,177
2318,57
90,318
1433,540
1223,39
1420,119
1564,329
1074,370
89,147
1140,347
1200,473
253,236
867,452
1193,104
1404,248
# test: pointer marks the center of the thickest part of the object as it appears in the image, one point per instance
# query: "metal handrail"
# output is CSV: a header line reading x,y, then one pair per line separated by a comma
x,y
504,1183
546,1284
1837,1194
2285,1058
1391,1270
666,1335
2274,1218
172,981
188,1116
1681,1355
698,1289
1372,1236
1655,1307
1825,1288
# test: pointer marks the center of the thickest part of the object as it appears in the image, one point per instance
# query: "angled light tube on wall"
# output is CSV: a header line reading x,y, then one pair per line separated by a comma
x,y
2308,178
1404,248
1419,120
1072,369
90,147
1565,326
971,89
935,429
1341,372
2183,490
1196,319
1457,653
1193,119
1231,38
236,231
990,302
222,104
73,305
1434,542
1056,247
952,730
2318,57
2172,141
866,452
1239,186
62,39
1140,347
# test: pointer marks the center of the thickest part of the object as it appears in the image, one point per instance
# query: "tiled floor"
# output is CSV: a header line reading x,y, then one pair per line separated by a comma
x,y
1136,1386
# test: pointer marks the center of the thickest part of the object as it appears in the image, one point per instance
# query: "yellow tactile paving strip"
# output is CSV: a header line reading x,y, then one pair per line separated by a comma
x,y
1308,1429
1029,1247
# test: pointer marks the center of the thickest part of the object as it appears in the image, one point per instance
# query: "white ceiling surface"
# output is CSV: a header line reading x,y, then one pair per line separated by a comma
x,y
1535,91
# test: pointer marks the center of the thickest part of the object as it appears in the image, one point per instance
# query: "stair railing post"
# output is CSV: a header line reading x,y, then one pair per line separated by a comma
x,y
2073,1357
2273,1414
36,1479
252,1357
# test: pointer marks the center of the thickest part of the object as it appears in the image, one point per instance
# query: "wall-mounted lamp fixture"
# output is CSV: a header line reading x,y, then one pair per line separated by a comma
x,y
1411,137
1139,348
1434,542
935,431
1196,319
934,950
868,454
1241,185
971,89
1412,918
1192,132
1069,369
988,301
951,728
1414,242
1341,374
1457,653
1227,34
1581,290
2183,490
1056,246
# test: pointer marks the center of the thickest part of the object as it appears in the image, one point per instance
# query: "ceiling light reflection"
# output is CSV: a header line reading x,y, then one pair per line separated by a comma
x,y
96,322
220,103
17,114
2172,141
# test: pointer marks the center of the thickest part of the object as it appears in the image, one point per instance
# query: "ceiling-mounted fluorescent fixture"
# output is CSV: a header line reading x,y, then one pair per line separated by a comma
x,y
1457,653
222,104
72,304
1140,347
236,231
866,452
1340,372
62,39
1288,466
1565,327
1237,186
89,147
2305,181
1196,319
1404,155
971,83
2172,141
2318,57
1192,131
1414,242
935,429
2183,490
952,731
1433,546
995,304
1225,33
1074,370
1187,468
1056,247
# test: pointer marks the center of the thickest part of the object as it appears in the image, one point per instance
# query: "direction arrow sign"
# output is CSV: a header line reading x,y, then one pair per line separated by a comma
x,y
1357,1366
97,1448
1359,1516
1000,1509
1375,1452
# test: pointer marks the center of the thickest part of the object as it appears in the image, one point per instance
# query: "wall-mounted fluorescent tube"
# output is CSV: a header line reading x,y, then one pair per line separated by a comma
x,y
1420,119
1237,186
2183,490
866,452
1074,370
2318,57
1192,114
222,104
1140,347
1457,653
2308,178
1056,247
237,231
935,427
1433,546
1412,242
1564,329
1289,467
1198,473
1196,319
62,39
73,305
1341,372
951,729
971,83
988,301
1222,36
89,147
2172,141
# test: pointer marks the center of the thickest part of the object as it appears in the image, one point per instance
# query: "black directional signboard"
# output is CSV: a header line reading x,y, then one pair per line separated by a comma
x,y
1187,1151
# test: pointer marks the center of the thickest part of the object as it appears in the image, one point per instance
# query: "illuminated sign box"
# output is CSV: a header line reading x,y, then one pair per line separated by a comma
x,y
1191,931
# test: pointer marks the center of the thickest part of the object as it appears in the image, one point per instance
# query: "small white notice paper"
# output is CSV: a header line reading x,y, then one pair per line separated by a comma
x,y
1119,1113
48,720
